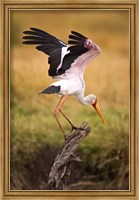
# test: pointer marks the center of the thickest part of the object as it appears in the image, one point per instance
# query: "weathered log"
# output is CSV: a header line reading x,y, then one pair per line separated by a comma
x,y
64,162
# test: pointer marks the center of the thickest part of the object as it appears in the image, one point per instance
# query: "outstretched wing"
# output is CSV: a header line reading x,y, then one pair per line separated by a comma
x,y
76,50
62,58
81,52
48,44
78,41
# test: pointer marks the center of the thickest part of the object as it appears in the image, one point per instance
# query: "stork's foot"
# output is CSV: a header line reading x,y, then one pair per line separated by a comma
x,y
73,128
76,128
66,136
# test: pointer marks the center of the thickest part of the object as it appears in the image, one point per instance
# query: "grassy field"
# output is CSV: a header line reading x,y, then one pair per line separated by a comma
x,y
35,136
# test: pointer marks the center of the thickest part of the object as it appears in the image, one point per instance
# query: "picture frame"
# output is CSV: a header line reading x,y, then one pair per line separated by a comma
x,y
6,193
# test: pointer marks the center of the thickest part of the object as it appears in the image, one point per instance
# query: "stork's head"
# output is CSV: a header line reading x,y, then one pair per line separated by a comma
x,y
92,100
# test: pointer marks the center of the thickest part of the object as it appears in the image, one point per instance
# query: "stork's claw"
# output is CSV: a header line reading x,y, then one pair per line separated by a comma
x,y
76,128
73,128
66,136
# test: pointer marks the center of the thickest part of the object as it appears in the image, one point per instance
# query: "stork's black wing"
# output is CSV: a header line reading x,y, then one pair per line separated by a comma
x,y
46,43
76,49
77,40
61,56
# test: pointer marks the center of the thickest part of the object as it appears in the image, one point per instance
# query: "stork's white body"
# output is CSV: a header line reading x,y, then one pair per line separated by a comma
x,y
72,81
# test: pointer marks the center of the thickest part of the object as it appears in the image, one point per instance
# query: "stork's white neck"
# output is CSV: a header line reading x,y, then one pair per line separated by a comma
x,y
86,100
81,100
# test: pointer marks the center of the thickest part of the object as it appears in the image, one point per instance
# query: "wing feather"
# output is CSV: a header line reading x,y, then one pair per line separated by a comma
x,y
60,58
46,43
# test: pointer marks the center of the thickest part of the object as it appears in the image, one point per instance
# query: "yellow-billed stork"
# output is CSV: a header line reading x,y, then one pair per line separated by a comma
x,y
67,64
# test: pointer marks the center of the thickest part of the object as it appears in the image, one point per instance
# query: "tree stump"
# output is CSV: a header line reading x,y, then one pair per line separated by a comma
x,y
64,162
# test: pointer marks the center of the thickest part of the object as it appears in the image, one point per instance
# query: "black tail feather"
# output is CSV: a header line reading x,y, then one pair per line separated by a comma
x,y
51,90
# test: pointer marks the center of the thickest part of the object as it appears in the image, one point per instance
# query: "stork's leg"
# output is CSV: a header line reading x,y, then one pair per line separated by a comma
x,y
72,126
58,107
54,113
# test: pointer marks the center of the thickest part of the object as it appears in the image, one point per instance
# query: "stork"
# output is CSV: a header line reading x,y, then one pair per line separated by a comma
x,y
67,65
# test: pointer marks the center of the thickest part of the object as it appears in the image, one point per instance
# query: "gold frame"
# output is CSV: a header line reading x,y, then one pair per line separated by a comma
x,y
5,193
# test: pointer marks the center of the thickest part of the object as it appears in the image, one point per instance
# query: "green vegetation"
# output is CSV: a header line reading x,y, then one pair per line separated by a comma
x,y
35,135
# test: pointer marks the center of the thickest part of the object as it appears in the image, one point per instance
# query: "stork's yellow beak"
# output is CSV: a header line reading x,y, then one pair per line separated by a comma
x,y
97,108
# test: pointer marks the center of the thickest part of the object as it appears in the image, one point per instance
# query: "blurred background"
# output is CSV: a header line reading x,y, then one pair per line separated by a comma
x,y
35,135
